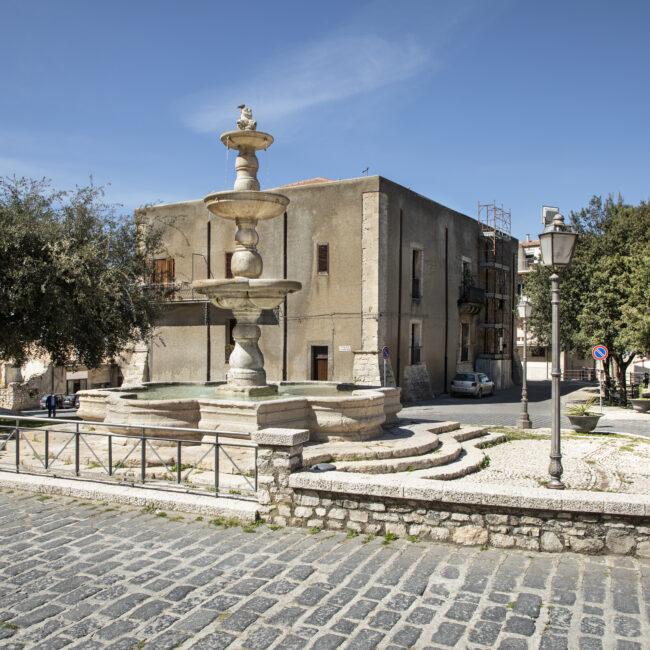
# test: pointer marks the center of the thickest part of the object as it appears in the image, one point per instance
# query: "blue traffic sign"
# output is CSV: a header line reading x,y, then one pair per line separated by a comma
x,y
600,353
385,352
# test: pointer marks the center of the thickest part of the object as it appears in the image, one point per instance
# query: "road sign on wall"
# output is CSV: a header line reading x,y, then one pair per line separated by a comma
x,y
600,353
385,352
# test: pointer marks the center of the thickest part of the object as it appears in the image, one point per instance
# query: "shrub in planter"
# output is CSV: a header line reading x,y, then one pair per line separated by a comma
x,y
641,404
580,416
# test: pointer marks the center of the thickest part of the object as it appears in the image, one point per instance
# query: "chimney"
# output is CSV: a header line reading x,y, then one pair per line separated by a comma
x,y
527,236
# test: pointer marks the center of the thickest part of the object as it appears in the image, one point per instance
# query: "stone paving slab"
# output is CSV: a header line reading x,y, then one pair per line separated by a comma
x,y
84,575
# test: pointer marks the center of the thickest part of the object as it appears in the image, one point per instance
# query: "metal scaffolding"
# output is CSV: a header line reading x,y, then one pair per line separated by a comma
x,y
496,275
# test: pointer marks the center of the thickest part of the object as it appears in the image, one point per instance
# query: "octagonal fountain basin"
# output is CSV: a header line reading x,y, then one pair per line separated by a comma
x,y
331,411
116,407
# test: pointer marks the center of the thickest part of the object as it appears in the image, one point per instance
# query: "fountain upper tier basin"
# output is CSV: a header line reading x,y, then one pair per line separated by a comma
x,y
246,293
330,414
244,139
246,204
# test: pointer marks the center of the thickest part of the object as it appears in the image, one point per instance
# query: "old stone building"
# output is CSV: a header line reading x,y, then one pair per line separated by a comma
x,y
380,265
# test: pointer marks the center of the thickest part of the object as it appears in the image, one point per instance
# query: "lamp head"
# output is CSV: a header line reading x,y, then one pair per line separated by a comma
x,y
557,243
524,308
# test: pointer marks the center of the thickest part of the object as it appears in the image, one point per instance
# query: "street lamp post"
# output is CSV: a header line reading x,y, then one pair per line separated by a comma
x,y
557,243
525,309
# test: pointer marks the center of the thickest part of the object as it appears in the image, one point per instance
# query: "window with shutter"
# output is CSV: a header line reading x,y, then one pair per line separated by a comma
x,y
163,272
323,259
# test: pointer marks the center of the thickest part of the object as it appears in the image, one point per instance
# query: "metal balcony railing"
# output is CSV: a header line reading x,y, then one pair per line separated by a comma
x,y
474,295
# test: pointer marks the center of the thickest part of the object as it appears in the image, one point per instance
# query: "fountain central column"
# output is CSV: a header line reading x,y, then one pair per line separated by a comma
x,y
247,294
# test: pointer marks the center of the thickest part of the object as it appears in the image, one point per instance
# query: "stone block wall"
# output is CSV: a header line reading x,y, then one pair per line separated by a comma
x,y
471,525
17,397
531,519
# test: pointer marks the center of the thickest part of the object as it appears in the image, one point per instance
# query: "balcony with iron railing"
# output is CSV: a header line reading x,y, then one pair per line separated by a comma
x,y
470,299
177,291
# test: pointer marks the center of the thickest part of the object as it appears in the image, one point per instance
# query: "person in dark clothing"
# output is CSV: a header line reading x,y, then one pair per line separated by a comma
x,y
50,402
646,380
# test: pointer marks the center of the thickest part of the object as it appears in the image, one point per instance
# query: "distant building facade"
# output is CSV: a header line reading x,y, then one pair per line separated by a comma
x,y
380,266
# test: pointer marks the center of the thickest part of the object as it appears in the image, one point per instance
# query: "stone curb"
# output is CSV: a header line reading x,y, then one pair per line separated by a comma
x,y
244,511
634,505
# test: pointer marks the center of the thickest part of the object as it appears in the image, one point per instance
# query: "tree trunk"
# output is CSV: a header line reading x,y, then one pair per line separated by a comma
x,y
620,366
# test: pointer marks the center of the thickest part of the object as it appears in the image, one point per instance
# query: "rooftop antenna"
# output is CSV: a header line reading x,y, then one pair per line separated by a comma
x,y
365,171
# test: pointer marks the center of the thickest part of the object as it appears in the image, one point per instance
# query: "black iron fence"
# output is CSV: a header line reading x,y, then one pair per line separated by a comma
x,y
190,460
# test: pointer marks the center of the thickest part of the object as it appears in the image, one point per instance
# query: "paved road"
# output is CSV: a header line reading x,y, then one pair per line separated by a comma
x,y
91,576
504,407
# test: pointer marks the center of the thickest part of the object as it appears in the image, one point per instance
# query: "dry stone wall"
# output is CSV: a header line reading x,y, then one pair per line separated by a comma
x,y
470,525
535,520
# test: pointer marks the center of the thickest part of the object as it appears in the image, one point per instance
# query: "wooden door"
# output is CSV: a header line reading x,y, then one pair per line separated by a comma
x,y
319,362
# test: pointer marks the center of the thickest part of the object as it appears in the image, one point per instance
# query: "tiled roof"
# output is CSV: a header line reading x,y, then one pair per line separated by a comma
x,y
529,243
310,181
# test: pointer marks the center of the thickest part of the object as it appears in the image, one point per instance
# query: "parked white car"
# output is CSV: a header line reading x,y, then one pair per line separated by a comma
x,y
471,383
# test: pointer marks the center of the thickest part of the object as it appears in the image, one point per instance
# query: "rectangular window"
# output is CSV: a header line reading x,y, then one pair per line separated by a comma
x,y
323,259
464,341
163,272
229,266
415,343
416,274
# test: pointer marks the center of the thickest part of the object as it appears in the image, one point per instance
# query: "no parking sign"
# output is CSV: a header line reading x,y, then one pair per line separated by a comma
x,y
600,353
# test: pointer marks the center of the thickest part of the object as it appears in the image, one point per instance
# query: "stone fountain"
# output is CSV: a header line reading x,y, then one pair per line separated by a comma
x,y
246,294
246,402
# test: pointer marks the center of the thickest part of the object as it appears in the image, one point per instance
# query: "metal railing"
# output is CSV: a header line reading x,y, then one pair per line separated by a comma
x,y
468,293
124,458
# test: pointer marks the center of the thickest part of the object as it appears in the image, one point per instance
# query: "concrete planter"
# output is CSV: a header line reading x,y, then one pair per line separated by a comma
x,y
642,405
584,423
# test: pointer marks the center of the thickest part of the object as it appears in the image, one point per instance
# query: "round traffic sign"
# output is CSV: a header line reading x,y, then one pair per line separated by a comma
x,y
600,353
385,352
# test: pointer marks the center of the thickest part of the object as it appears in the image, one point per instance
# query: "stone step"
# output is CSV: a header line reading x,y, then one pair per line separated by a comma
x,y
469,461
413,439
446,452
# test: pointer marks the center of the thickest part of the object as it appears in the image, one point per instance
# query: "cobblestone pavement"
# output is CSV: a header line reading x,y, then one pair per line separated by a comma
x,y
89,576
503,409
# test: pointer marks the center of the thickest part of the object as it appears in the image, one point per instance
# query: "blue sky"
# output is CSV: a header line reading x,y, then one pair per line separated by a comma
x,y
526,103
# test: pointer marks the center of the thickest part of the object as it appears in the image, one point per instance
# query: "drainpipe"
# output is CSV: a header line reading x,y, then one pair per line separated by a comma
x,y
285,323
208,342
446,300
399,298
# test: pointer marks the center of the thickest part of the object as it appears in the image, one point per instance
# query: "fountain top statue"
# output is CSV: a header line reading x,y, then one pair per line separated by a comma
x,y
246,121
246,294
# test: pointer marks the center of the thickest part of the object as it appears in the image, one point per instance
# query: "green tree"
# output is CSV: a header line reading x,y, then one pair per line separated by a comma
x,y
604,292
71,274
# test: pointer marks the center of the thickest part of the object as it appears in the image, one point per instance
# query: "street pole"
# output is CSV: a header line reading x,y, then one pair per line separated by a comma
x,y
524,420
555,467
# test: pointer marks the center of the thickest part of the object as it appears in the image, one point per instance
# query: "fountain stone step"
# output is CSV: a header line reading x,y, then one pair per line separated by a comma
x,y
468,461
446,452
397,442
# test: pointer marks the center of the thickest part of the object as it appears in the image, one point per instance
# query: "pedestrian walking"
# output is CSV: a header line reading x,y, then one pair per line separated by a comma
x,y
50,402
646,380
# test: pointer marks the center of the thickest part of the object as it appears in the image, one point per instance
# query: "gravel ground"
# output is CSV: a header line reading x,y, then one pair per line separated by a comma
x,y
601,462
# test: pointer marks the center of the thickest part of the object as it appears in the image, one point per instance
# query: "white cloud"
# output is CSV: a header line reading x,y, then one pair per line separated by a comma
x,y
327,71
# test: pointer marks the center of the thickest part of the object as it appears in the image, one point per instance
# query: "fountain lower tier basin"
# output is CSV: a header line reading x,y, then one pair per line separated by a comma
x,y
330,411
246,204
246,293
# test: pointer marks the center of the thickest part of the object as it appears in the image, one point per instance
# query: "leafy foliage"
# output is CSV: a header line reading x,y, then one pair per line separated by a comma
x,y
71,274
605,292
